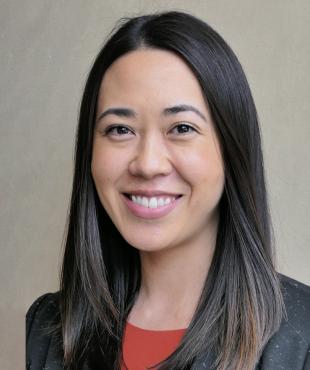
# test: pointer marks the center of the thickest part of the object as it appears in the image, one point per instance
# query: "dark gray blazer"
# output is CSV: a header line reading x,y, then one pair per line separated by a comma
x,y
288,349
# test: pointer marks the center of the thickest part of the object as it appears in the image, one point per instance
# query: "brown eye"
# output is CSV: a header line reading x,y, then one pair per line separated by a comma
x,y
117,130
184,128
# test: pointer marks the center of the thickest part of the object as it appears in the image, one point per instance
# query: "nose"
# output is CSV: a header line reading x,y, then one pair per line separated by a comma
x,y
151,158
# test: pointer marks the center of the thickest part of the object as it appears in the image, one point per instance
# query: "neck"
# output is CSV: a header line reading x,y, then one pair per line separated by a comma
x,y
172,280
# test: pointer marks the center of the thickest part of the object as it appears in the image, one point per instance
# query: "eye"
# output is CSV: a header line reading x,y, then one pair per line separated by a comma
x,y
184,128
120,130
117,130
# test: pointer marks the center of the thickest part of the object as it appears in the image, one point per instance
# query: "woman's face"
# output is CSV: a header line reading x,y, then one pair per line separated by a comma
x,y
161,138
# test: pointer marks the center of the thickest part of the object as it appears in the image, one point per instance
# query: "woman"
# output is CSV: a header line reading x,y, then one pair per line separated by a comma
x,y
168,259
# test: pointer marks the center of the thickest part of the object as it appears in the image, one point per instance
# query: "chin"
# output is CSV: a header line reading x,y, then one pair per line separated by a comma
x,y
148,245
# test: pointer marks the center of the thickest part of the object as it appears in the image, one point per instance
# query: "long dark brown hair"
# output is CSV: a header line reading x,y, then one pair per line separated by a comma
x,y
241,304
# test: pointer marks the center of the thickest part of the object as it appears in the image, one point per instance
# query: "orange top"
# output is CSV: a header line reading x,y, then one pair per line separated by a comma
x,y
143,348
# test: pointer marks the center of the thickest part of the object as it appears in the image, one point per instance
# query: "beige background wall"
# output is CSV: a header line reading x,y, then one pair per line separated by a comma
x,y
46,50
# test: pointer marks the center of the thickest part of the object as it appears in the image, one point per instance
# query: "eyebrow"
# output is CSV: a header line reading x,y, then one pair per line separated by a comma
x,y
129,113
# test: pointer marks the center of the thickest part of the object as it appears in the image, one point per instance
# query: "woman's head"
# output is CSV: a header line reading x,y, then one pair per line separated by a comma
x,y
151,63
165,142
223,87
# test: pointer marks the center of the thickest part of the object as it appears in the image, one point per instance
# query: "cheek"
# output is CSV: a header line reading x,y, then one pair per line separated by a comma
x,y
204,159
204,171
102,165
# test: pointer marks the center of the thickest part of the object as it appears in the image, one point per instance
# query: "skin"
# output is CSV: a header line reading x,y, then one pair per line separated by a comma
x,y
155,153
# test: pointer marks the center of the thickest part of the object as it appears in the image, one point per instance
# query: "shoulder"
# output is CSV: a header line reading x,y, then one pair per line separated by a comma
x,y
42,312
43,307
296,296
291,286
41,320
289,347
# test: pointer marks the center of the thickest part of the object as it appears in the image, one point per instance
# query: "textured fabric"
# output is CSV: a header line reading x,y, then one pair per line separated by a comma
x,y
288,349
144,348
42,350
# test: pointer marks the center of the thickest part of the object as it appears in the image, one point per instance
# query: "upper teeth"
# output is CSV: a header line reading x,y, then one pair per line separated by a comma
x,y
152,202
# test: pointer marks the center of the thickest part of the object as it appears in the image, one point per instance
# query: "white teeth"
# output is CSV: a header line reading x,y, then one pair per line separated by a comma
x,y
152,202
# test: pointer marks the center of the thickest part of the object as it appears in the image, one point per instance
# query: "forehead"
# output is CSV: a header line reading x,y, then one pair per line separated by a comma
x,y
150,75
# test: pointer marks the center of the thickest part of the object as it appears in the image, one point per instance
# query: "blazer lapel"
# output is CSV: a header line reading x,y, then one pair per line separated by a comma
x,y
54,358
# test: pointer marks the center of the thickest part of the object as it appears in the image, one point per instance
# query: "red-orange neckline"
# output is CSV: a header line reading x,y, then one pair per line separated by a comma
x,y
155,331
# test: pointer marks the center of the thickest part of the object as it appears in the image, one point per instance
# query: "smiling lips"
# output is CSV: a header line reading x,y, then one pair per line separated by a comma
x,y
151,207
153,202
150,193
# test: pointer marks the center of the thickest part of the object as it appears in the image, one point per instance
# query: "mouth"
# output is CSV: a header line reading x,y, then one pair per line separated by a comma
x,y
129,196
151,208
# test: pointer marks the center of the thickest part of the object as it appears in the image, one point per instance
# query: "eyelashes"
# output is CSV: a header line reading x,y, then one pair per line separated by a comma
x,y
116,128
186,127
121,130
